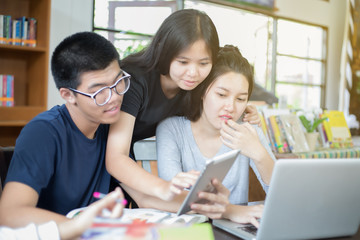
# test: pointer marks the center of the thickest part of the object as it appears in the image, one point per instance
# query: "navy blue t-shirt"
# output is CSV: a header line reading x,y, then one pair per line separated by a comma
x,y
54,158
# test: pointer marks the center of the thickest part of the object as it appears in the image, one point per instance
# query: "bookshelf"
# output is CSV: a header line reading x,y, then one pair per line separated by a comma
x,y
29,65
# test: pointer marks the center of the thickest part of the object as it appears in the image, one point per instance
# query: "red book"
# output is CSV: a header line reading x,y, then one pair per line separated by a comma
x,y
31,41
4,81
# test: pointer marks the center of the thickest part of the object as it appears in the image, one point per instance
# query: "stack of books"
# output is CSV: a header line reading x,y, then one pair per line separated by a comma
x,y
6,90
20,31
285,133
334,131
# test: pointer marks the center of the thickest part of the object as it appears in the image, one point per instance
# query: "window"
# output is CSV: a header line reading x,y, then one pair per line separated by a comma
x,y
289,57
233,28
300,64
130,24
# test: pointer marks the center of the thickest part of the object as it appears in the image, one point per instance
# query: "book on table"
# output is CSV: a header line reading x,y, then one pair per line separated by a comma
x,y
294,133
336,129
284,131
144,223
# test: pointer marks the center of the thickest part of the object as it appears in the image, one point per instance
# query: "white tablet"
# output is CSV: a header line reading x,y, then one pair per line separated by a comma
x,y
215,168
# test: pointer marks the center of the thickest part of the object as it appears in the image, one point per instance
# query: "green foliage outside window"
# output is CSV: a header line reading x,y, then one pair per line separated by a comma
x,y
132,49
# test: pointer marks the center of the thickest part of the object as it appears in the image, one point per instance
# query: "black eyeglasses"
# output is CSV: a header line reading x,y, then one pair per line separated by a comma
x,y
103,95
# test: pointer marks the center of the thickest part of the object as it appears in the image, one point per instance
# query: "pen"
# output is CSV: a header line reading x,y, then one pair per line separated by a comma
x,y
101,195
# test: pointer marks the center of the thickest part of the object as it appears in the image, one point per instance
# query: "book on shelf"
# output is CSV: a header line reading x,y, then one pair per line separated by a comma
x,y
266,132
16,32
277,135
272,137
337,131
294,133
2,29
1,90
23,29
31,36
6,26
323,136
3,81
6,90
275,129
10,91
287,148
20,31
284,131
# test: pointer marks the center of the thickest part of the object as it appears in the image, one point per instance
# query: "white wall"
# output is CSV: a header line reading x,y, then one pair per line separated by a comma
x,y
69,16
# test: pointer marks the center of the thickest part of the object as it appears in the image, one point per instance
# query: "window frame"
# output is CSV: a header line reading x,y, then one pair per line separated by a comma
x,y
271,80
323,60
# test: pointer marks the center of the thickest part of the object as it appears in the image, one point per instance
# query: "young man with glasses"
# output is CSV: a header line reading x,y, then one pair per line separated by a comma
x,y
59,157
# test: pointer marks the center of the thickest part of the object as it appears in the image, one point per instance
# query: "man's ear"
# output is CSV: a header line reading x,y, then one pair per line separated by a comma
x,y
67,95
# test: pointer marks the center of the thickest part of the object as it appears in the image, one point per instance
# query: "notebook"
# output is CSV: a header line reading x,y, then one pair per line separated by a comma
x,y
308,199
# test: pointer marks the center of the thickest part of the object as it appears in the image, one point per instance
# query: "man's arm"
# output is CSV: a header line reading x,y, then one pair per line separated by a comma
x,y
71,228
18,207
147,201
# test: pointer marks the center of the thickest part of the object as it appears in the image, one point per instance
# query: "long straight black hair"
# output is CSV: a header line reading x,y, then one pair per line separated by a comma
x,y
178,31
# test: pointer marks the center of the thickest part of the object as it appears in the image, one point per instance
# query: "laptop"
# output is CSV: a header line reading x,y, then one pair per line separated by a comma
x,y
307,199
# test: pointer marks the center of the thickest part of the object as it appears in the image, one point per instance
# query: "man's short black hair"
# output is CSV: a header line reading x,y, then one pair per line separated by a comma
x,y
79,53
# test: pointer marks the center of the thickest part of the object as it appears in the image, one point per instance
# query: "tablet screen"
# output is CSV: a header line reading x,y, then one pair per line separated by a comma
x,y
215,168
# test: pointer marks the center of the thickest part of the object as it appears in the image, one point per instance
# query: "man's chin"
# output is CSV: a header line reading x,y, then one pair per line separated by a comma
x,y
111,120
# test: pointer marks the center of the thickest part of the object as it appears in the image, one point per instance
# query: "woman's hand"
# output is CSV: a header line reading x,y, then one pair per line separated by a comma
x,y
244,137
216,203
178,183
241,136
244,214
183,180
252,115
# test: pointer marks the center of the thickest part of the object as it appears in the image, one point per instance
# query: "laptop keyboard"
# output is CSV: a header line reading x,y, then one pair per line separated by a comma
x,y
249,228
